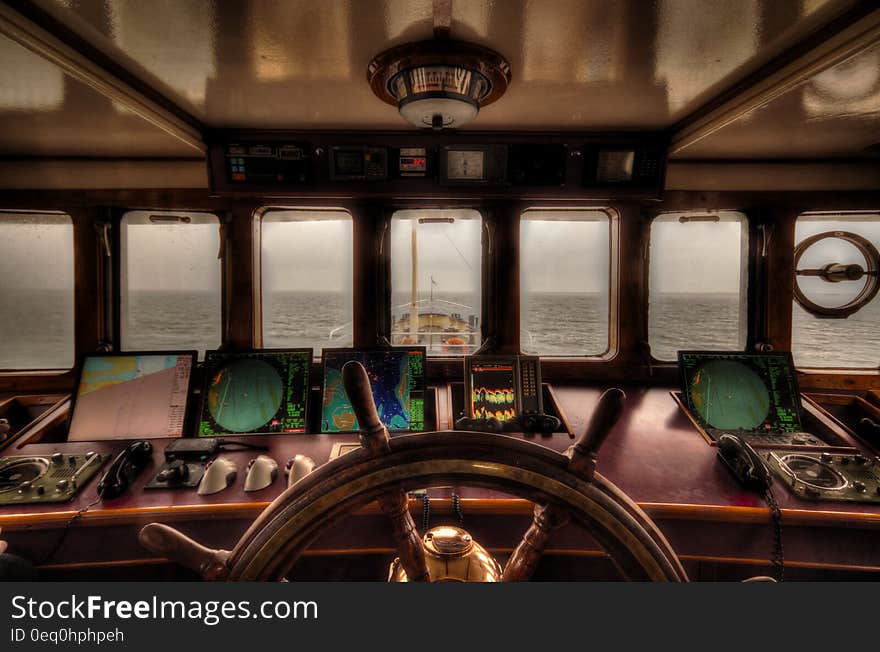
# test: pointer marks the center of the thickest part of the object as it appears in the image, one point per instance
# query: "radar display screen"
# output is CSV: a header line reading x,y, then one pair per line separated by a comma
x,y
131,396
492,388
255,392
755,392
397,378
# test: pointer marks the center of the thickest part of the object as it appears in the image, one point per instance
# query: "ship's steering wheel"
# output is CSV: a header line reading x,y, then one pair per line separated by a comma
x,y
563,488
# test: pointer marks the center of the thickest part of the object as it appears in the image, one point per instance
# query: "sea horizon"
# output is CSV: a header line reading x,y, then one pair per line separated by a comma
x,y
554,324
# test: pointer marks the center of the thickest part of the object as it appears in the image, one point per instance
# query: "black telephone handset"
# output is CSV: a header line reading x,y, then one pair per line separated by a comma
x,y
125,468
745,463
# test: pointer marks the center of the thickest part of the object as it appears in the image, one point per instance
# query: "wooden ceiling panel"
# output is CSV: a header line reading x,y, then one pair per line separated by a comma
x,y
577,64
45,112
834,114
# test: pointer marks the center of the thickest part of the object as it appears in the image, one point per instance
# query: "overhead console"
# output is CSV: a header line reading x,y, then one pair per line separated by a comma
x,y
425,163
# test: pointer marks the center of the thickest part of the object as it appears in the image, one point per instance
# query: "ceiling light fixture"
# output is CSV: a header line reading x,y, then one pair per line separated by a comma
x,y
440,83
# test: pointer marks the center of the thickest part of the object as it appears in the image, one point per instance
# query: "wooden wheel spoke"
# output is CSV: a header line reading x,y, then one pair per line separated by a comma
x,y
547,519
374,437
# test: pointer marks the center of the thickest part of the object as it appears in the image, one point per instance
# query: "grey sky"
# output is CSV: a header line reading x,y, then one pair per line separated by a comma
x,y
306,256
36,255
565,255
696,257
316,255
450,253
172,257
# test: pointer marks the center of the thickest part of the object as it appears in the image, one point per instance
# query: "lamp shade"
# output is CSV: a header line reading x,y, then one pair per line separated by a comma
x,y
439,83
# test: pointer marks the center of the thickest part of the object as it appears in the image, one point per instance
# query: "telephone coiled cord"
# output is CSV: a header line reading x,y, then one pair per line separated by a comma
x,y
778,556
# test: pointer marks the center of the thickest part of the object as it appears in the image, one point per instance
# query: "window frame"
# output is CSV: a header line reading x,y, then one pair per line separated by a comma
x,y
53,371
118,273
841,215
613,344
747,276
259,216
486,236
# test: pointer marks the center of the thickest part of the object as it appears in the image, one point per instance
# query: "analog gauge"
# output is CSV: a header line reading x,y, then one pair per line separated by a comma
x,y
465,165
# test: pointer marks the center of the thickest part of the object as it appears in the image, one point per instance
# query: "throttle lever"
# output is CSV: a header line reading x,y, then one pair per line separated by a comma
x,y
584,452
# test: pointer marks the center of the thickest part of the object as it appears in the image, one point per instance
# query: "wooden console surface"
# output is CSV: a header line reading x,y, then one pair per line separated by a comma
x,y
654,454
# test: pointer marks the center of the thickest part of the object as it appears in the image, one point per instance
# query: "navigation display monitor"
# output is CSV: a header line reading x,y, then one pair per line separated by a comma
x,y
754,392
131,396
397,377
255,392
491,384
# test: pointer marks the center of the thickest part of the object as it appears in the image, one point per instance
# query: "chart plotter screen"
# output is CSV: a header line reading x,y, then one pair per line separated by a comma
x,y
131,396
255,392
492,388
397,378
754,392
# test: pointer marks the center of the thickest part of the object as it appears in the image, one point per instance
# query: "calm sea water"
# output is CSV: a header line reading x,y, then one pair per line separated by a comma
x,y
35,327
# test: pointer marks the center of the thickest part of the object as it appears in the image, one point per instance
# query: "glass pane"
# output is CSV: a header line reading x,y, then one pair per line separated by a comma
x,y
565,280
170,289
436,260
306,278
698,282
821,342
36,291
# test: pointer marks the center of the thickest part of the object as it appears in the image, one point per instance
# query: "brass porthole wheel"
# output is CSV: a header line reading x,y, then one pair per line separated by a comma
x,y
839,273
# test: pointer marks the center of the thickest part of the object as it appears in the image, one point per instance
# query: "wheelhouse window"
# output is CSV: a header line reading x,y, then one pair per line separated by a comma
x,y
36,291
836,314
306,278
565,282
436,294
170,285
698,282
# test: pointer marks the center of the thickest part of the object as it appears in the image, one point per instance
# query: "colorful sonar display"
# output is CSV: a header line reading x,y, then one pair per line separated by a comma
x,y
397,377
492,388
131,396
754,392
255,392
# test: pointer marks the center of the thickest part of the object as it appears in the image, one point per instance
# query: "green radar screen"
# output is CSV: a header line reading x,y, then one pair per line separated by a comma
x,y
255,392
729,395
742,391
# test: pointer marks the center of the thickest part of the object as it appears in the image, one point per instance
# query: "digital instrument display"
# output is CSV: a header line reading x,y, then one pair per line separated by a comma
x,y
358,163
255,392
465,165
755,392
268,164
348,163
413,162
397,377
615,166
492,389
131,396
